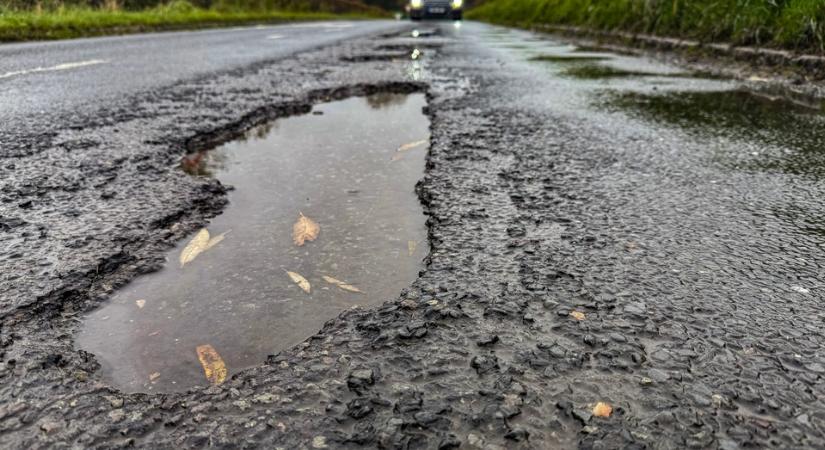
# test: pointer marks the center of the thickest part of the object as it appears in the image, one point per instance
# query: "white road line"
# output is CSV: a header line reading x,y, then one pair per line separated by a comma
x,y
320,25
274,36
64,66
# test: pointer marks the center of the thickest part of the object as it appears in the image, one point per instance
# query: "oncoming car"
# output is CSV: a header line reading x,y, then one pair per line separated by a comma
x,y
436,9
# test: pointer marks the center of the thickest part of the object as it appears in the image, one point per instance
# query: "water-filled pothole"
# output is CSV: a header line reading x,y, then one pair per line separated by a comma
x,y
786,136
350,167
569,58
600,71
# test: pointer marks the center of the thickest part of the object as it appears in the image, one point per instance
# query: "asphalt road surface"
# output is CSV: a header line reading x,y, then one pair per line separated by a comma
x,y
602,228
43,78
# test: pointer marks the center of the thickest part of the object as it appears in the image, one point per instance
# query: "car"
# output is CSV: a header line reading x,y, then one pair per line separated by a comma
x,y
436,9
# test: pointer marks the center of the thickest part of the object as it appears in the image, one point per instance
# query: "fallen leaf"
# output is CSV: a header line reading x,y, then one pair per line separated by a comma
x,y
140,303
577,315
194,247
215,240
411,145
213,365
154,376
300,281
319,442
602,410
341,284
400,150
305,229
411,247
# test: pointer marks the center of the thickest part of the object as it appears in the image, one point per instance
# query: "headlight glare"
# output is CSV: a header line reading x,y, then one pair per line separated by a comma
x,y
457,3
416,3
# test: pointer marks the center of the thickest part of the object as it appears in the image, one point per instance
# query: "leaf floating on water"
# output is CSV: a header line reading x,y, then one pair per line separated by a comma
x,y
140,303
578,315
194,247
213,366
300,281
400,150
411,145
341,284
602,410
216,240
411,247
305,229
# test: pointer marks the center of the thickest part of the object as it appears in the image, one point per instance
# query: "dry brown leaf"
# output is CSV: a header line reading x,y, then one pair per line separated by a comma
x,y
399,152
578,315
215,240
305,229
154,376
602,410
411,145
194,247
300,281
140,303
411,247
213,366
341,284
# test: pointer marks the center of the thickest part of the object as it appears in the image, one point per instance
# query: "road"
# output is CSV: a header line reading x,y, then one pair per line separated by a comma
x,y
62,76
602,228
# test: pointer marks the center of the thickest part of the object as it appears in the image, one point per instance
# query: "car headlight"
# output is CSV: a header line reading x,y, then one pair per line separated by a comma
x,y
416,3
457,3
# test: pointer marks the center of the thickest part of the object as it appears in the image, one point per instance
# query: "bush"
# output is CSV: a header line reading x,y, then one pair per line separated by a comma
x,y
788,23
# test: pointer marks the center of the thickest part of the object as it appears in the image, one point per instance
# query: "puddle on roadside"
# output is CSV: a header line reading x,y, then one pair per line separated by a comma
x,y
601,71
776,134
339,166
573,58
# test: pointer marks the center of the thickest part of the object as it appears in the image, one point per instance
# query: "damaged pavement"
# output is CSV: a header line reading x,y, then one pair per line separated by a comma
x,y
699,285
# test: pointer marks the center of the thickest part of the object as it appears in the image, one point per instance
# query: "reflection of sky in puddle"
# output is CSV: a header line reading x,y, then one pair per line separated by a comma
x,y
783,136
338,166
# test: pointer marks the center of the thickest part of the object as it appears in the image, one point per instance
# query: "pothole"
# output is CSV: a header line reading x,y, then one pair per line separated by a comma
x,y
761,132
601,71
350,167
372,57
575,57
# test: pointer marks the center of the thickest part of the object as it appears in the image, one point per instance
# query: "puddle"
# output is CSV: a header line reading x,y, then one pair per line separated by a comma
x,y
776,134
569,58
372,57
339,166
600,71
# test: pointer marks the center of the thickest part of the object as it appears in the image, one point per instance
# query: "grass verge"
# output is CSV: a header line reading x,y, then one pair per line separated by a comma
x,y
793,24
73,22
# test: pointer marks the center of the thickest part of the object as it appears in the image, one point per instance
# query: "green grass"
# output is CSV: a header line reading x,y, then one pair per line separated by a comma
x,y
72,22
798,24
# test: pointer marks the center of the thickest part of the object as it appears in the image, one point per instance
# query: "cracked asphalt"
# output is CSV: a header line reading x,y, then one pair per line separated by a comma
x,y
675,212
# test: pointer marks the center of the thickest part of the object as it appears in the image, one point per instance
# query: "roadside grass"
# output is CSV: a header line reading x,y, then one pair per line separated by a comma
x,y
73,22
797,24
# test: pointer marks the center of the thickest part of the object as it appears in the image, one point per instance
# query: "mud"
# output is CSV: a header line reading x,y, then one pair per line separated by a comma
x,y
701,286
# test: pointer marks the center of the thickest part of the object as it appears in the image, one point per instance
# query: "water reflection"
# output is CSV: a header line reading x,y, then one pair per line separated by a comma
x,y
601,71
789,137
343,170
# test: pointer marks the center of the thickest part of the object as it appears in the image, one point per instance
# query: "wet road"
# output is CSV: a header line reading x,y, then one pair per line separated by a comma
x,y
602,228
65,77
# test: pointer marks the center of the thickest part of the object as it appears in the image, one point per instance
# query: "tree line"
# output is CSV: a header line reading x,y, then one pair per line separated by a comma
x,y
292,5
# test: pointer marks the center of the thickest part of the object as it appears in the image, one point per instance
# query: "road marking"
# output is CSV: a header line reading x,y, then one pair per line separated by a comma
x,y
320,25
274,36
64,66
